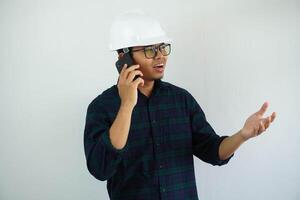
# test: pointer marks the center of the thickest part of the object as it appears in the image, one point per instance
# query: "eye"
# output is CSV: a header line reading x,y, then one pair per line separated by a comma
x,y
165,49
150,52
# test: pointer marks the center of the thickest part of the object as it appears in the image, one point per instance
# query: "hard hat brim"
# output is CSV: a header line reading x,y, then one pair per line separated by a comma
x,y
144,42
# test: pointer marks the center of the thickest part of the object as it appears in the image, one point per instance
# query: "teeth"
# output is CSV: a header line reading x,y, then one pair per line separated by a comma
x,y
160,65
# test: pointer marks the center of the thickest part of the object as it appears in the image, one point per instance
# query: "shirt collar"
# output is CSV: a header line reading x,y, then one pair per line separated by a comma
x,y
158,84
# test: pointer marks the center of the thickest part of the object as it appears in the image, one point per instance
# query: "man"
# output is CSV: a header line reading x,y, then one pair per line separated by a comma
x,y
141,134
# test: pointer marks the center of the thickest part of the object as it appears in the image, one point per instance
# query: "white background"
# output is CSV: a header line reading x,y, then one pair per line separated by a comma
x,y
230,55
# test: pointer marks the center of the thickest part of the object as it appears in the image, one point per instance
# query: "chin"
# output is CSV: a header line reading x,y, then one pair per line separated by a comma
x,y
157,78
153,78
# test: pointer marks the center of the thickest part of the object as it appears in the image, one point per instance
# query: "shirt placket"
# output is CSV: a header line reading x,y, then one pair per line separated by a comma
x,y
157,141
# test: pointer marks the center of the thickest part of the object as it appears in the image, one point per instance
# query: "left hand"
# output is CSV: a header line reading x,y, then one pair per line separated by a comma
x,y
256,124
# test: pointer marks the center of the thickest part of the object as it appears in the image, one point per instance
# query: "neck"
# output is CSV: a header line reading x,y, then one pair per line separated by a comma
x,y
147,88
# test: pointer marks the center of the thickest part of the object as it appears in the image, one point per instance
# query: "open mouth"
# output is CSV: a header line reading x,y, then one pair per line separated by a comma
x,y
159,66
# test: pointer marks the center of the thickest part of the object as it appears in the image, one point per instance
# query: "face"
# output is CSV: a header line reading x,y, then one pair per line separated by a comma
x,y
152,68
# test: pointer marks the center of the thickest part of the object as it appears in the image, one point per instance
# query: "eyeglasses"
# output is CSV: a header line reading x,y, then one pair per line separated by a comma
x,y
151,51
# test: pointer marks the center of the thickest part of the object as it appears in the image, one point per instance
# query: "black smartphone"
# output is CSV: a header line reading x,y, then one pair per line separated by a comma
x,y
125,59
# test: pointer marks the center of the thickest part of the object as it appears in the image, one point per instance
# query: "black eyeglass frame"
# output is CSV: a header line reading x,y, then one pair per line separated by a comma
x,y
155,49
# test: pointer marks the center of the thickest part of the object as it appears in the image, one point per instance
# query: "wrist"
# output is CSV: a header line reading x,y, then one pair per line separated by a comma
x,y
126,107
242,134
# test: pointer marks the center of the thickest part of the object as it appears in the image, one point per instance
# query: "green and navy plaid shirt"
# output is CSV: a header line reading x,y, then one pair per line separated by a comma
x,y
166,130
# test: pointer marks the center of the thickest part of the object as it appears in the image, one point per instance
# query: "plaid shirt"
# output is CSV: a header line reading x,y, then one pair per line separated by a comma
x,y
166,130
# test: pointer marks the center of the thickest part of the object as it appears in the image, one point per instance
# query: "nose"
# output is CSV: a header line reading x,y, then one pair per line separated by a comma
x,y
158,54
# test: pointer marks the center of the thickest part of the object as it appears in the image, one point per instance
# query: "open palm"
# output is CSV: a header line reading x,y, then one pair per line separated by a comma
x,y
256,123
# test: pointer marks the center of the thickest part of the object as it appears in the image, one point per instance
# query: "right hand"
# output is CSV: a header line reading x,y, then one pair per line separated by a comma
x,y
127,87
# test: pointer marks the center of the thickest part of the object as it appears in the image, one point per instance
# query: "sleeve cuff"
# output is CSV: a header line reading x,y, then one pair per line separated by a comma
x,y
219,161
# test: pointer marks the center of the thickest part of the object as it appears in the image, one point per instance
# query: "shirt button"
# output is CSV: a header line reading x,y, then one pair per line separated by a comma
x,y
161,166
163,190
154,121
157,144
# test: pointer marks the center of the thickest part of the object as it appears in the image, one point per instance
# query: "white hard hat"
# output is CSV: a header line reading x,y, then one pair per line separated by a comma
x,y
135,29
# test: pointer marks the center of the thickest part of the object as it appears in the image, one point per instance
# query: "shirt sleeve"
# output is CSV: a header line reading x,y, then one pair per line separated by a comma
x,y
205,141
102,158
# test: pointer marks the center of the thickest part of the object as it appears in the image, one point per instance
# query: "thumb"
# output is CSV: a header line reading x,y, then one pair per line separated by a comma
x,y
263,109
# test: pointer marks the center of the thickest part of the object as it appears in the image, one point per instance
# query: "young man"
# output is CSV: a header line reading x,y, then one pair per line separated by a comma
x,y
141,134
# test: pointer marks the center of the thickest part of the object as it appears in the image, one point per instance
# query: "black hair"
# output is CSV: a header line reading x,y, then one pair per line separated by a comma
x,y
122,51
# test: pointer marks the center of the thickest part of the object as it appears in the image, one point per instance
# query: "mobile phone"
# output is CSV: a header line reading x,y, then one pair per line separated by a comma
x,y
125,59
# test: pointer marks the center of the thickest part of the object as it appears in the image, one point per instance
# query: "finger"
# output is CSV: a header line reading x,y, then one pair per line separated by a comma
x,y
121,76
273,116
129,69
133,74
123,69
267,122
138,81
263,109
261,127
